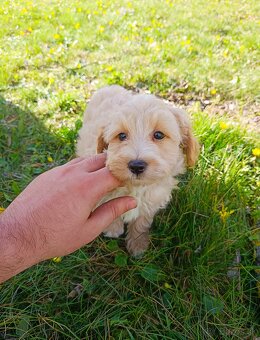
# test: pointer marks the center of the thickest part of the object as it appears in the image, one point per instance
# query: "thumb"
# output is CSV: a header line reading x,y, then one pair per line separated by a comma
x,y
106,213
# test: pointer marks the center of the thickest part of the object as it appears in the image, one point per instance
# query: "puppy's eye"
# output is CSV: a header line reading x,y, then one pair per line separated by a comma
x,y
158,135
122,136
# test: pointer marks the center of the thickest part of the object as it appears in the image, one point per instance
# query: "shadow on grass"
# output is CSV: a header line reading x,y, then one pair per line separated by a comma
x,y
27,148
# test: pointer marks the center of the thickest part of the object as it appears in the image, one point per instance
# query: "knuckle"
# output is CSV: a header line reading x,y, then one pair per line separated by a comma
x,y
95,158
114,210
65,170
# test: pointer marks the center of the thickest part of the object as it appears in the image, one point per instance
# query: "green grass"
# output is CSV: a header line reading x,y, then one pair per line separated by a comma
x,y
53,55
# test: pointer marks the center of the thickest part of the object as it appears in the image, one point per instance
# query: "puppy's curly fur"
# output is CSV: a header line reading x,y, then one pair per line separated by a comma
x,y
148,143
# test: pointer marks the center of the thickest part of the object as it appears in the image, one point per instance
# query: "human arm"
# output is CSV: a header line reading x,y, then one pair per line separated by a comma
x,y
54,215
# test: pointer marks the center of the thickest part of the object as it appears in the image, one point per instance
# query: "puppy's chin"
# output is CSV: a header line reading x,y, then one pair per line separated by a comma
x,y
142,179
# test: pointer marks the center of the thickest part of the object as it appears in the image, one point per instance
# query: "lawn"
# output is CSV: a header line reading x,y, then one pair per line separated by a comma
x,y
198,280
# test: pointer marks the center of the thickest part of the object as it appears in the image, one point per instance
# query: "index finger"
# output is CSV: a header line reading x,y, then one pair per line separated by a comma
x,y
93,163
102,183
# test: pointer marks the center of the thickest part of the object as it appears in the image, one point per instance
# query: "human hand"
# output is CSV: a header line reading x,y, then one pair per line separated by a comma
x,y
54,215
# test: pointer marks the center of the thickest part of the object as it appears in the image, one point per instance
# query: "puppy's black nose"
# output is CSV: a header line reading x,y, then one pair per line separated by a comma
x,y
137,166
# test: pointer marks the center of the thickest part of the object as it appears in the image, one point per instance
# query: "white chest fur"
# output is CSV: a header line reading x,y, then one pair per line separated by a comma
x,y
150,198
139,194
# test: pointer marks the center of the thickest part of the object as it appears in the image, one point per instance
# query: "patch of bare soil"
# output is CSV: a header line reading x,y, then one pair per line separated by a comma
x,y
247,115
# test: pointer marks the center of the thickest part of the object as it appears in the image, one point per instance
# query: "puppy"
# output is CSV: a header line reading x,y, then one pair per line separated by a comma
x,y
148,143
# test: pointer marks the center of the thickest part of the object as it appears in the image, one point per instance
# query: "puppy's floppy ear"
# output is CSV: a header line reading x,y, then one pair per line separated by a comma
x,y
189,143
101,144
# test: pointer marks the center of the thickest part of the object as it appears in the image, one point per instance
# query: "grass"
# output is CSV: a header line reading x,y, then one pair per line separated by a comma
x,y
53,55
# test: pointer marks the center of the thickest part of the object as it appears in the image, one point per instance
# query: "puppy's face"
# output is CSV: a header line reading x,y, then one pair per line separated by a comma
x,y
144,142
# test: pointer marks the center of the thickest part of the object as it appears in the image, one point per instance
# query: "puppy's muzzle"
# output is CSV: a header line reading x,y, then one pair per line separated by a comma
x,y
137,166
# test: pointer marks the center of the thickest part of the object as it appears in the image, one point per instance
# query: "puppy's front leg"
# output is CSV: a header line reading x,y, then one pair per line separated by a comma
x,y
137,240
115,229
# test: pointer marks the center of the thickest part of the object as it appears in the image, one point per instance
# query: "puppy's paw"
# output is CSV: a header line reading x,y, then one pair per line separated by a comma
x,y
138,246
115,229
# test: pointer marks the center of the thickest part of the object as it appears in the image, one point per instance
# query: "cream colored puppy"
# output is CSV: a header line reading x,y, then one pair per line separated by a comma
x,y
148,143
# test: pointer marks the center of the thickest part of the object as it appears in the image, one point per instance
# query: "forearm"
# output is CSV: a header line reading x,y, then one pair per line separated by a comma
x,y
17,245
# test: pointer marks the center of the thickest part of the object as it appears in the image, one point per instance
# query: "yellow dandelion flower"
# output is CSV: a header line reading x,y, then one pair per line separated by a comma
x,y
224,213
225,54
2,209
213,92
56,36
78,65
110,23
79,9
256,152
77,26
29,29
22,33
167,285
109,68
223,125
49,158
101,29
185,42
24,11
57,259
